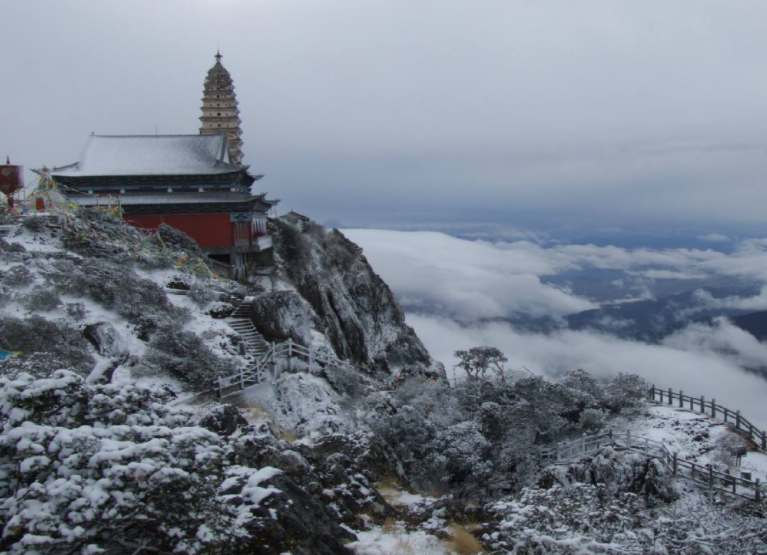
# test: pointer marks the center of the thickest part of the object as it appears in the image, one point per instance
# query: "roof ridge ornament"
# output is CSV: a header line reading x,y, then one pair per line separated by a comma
x,y
218,56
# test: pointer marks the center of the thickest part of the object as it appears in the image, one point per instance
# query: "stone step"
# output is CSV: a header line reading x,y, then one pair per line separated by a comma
x,y
242,325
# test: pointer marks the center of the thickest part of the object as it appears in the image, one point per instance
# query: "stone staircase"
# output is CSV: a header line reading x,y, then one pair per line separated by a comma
x,y
5,230
239,321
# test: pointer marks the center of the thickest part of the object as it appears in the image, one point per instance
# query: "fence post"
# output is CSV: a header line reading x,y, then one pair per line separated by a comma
x,y
660,392
691,402
218,393
670,396
693,471
737,419
710,476
681,393
702,403
757,493
272,364
725,414
311,358
583,442
764,440
290,354
713,408
628,435
559,450
651,393
610,433
674,464
242,378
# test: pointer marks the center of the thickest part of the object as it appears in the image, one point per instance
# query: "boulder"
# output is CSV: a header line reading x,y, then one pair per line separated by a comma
x,y
106,339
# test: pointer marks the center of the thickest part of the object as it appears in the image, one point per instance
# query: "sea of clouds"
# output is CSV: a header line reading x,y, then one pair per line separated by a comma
x,y
456,291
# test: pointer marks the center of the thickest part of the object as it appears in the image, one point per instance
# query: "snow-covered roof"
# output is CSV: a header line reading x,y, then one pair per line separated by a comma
x,y
106,155
168,198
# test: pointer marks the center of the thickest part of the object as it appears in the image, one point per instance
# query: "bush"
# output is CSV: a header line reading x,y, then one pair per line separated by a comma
x,y
17,276
76,311
202,293
42,299
35,334
106,468
182,355
626,393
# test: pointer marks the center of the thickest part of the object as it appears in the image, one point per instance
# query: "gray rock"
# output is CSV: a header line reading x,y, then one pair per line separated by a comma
x,y
106,339
352,305
283,315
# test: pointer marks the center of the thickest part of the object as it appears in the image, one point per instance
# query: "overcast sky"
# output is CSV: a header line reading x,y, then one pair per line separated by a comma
x,y
539,114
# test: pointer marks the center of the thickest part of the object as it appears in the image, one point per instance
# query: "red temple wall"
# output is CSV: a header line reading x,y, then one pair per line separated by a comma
x,y
209,230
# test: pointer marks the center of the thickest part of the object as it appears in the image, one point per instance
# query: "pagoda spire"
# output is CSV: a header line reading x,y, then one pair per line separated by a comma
x,y
220,113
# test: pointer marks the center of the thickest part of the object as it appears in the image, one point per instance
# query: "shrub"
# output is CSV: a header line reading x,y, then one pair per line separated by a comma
x,y
182,355
17,276
35,334
42,299
76,311
111,469
202,293
626,393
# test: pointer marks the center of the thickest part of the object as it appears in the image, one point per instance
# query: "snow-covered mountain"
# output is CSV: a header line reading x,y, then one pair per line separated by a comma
x,y
111,441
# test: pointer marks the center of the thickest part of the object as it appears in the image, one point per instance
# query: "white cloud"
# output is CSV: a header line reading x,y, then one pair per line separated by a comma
x,y
468,280
449,285
715,238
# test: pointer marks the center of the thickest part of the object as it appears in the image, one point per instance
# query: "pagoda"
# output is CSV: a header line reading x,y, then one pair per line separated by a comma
x,y
220,113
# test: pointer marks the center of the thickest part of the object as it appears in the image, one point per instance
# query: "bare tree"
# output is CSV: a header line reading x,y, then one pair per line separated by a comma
x,y
478,360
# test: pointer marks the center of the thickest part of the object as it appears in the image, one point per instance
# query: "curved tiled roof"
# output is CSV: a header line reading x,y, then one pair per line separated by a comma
x,y
151,155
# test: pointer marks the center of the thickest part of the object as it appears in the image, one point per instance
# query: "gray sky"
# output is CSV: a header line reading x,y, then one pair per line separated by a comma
x,y
383,113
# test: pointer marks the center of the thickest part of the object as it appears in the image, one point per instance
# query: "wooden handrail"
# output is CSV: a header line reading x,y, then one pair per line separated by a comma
x,y
711,408
286,350
590,444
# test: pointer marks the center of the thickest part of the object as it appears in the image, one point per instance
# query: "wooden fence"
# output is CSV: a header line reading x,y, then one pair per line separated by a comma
x,y
702,475
280,356
711,408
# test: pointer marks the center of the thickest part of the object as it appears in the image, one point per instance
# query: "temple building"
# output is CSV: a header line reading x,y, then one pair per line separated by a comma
x,y
220,113
195,183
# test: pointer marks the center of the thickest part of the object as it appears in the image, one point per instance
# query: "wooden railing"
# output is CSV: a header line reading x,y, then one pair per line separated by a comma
x,y
702,475
269,367
711,408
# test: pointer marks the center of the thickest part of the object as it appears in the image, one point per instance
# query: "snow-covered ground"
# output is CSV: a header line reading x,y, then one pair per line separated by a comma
x,y
700,439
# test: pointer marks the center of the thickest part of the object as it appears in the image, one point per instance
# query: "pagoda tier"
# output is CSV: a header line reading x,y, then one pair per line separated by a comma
x,y
220,113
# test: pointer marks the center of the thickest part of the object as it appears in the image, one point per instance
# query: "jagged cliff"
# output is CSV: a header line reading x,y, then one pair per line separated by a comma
x,y
323,282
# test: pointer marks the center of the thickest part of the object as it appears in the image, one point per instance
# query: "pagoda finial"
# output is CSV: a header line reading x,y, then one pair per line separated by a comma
x,y
218,56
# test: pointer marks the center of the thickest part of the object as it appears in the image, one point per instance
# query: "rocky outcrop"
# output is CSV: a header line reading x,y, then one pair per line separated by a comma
x,y
284,315
106,339
343,298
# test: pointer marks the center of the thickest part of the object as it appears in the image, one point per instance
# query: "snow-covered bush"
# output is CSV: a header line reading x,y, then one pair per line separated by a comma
x,y
202,293
585,519
573,521
34,223
182,355
35,334
17,276
42,299
626,393
76,311
480,437
592,420
106,468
